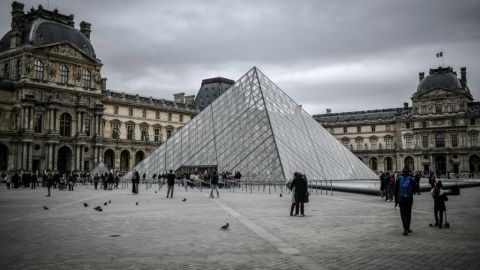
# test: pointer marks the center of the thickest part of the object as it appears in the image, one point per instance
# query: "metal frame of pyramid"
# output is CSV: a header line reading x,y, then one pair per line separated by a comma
x,y
257,129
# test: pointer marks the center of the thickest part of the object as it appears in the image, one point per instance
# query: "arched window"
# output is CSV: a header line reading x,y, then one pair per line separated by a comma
x,y
38,67
63,74
87,78
65,124
440,140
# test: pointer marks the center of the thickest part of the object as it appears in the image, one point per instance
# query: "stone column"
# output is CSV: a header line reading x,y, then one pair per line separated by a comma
x,y
24,116
432,166
81,157
18,155
30,156
30,123
77,167
56,122
24,156
55,157
82,123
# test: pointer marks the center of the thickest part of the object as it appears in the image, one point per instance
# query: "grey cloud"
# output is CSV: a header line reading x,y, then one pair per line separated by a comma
x,y
158,47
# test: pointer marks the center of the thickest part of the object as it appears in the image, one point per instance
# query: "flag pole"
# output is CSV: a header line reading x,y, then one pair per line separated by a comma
x,y
442,58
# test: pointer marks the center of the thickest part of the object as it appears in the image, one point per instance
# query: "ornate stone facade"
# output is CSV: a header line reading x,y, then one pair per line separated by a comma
x,y
55,111
438,133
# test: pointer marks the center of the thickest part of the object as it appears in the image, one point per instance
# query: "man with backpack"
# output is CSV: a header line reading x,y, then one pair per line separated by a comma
x,y
404,198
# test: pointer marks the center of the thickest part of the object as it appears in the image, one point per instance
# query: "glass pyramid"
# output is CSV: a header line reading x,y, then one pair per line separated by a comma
x,y
257,129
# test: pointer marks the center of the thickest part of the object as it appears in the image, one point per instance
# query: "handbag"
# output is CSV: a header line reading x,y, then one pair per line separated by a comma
x,y
306,196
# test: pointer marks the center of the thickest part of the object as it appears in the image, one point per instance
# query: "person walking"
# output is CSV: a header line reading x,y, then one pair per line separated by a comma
x,y
431,180
382,184
439,198
49,183
8,180
301,188
404,198
214,184
170,183
417,184
34,181
135,181
70,182
96,179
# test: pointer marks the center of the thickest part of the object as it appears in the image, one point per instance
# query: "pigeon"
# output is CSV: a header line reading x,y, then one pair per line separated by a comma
x,y
184,199
46,208
105,203
109,201
225,227
136,203
98,208
281,195
85,204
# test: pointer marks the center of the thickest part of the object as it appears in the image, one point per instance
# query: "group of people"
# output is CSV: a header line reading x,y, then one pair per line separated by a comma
x,y
405,185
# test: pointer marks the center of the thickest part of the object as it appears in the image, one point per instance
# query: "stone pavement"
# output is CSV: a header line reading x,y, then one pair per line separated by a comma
x,y
344,231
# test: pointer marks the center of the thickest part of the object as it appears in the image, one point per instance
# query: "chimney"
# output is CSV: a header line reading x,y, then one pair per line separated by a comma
x,y
17,24
189,99
405,105
329,111
421,75
85,29
179,97
463,78
104,84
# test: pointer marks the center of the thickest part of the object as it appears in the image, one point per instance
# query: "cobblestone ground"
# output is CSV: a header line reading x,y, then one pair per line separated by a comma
x,y
343,231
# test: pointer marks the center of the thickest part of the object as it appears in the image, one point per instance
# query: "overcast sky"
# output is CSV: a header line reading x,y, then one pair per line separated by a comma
x,y
343,55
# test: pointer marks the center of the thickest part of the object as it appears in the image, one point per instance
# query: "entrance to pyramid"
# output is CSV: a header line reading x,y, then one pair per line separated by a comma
x,y
204,169
256,129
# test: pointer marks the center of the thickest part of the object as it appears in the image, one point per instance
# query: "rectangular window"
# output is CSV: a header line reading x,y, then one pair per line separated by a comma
x,y
169,116
115,131
424,124
438,108
38,123
180,118
169,133
87,126
408,142
388,143
345,143
373,128
359,145
157,115
359,129
472,121
454,140
156,138
453,108
389,128
144,113
473,140
407,125
453,122
424,141
130,134
374,145
345,130
439,140
130,111
115,109
144,134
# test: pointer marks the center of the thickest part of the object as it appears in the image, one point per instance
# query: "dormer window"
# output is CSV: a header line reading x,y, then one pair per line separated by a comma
x,y
63,74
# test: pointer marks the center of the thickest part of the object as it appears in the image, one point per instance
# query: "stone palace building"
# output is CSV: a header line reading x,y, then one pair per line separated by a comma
x,y
56,113
438,133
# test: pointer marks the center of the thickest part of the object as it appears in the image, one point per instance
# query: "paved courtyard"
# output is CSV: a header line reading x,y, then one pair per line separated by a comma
x,y
343,231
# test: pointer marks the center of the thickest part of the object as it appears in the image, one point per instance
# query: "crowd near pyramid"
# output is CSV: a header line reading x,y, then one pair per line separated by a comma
x,y
257,129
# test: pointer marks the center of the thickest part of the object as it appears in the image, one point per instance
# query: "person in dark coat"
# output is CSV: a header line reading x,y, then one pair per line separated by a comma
x,y
404,198
170,183
382,184
301,187
431,180
135,181
49,183
214,184
16,180
439,197
417,183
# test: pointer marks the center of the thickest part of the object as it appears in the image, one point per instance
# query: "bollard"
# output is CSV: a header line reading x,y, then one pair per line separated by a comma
x,y
331,187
